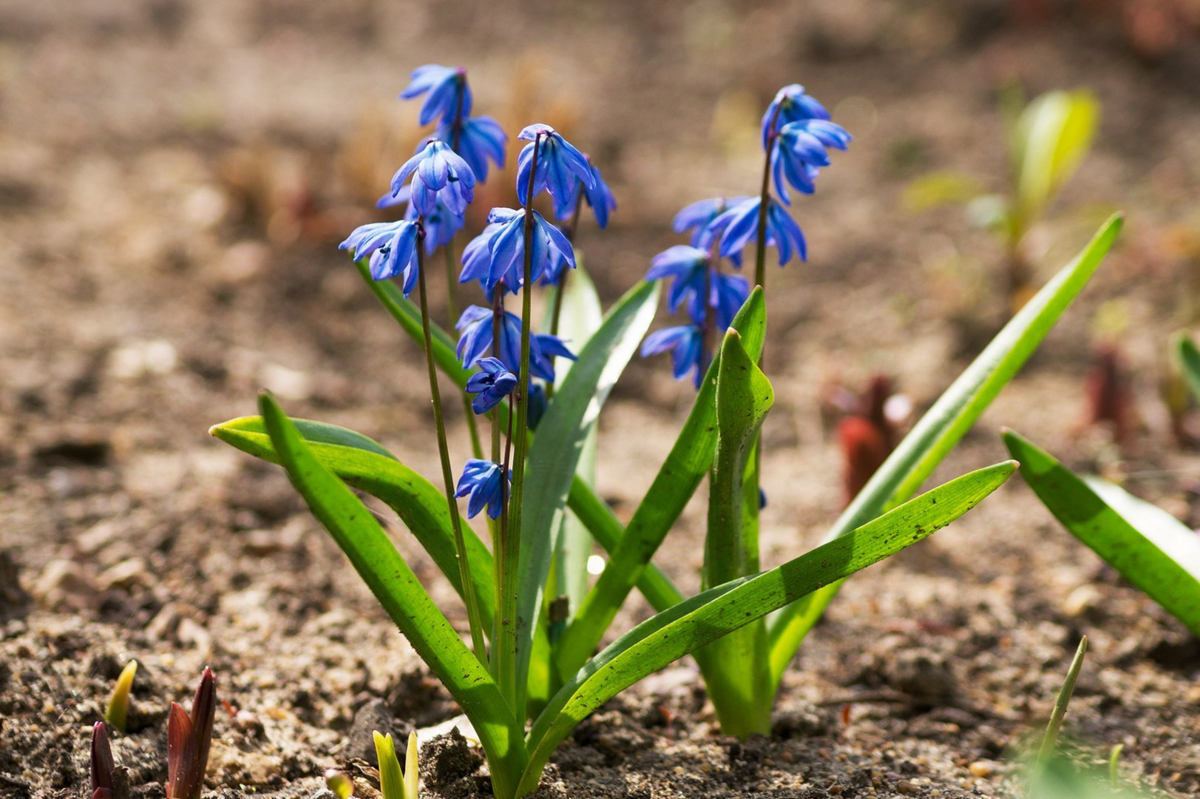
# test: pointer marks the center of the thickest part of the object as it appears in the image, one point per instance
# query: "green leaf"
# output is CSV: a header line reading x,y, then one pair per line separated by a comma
x,y
689,461
555,452
944,425
366,465
1147,545
412,770
1189,361
392,582
702,619
391,779
1054,134
940,188
735,669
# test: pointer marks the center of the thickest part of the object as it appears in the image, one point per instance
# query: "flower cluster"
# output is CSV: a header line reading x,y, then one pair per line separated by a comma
x,y
797,136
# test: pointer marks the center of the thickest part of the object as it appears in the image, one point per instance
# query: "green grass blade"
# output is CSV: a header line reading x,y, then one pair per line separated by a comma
x,y
702,619
554,454
391,779
735,667
1059,714
367,466
689,461
1189,360
392,582
1149,547
412,770
941,428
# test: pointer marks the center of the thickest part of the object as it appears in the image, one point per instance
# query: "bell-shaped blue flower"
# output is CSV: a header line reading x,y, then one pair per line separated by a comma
x,y
739,225
791,104
686,344
437,172
802,150
505,238
482,480
391,247
599,198
480,139
690,269
491,384
475,343
727,294
559,164
697,217
449,94
440,226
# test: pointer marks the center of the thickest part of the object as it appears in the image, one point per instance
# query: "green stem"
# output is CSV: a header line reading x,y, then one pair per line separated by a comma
x,y
760,251
561,288
452,310
507,677
460,547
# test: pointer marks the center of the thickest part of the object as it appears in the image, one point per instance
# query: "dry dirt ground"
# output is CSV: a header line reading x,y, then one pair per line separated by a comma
x,y
174,177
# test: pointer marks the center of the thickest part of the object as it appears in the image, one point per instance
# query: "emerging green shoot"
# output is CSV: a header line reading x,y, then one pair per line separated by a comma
x,y
394,782
189,736
339,783
118,704
1114,765
1050,739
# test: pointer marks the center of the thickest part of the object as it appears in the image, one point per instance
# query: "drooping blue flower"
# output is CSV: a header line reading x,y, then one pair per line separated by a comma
x,y
739,226
690,269
391,247
697,217
802,150
505,239
437,172
599,198
686,343
480,139
792,104
559,164
475,343
444,85
483,482
492,384
440,226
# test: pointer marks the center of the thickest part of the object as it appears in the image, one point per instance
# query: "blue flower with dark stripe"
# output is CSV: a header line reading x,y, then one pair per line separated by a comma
x,y
686,345
475,343
559,165
739,225
690,269
599,198
440,226
802,150
448,93
482,481
699,215
505,255
480,139
391,247
437,172
491,384
791,104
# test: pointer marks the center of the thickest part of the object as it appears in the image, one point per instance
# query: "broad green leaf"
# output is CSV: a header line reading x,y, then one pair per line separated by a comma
x,y
1054,134
1189,361
702,619
369,467
391,779
735,669
1148,546
944,425
392,582
689,461
555,452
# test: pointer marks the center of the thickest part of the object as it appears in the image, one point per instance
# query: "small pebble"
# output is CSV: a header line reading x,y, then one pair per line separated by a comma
x,y
980,769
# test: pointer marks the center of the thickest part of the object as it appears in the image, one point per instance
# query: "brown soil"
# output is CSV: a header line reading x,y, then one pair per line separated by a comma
x,y
174,177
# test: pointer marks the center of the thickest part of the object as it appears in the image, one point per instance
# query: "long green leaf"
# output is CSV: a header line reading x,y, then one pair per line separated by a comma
x,y
1189,361
1148,546
941,428
556,448
391,778
689,461
367,466
704,618
735,669
359,535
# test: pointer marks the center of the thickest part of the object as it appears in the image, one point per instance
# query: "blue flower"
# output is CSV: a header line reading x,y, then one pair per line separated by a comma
x,y
739,225
599,198
492,384
686,343
475,343
482,480
437,173
697,217
792,104
392,248
505,261
479,139
537,405
690,269
802,151
440,226
558,165
443,85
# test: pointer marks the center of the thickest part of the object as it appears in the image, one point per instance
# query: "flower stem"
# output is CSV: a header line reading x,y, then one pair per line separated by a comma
x,y
452,310
561,288
760,251
506,648
460,546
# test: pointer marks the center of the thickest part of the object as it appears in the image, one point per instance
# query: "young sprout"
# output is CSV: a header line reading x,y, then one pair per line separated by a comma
x,y
394,783
1050,740
188,739
102,763
118,704
339,783
1114,765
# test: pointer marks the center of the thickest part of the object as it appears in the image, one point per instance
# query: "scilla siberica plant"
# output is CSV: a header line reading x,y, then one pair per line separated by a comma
x,y
532,673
